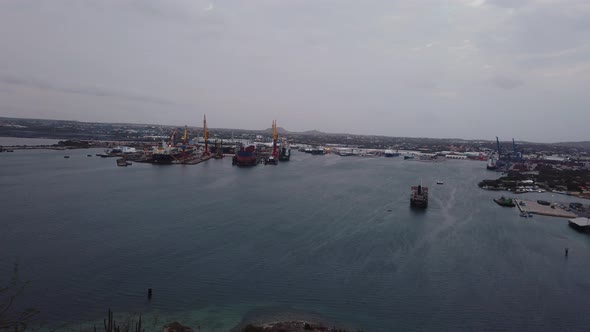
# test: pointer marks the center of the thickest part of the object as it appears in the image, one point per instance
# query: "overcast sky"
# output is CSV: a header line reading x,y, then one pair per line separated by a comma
x,y
455,68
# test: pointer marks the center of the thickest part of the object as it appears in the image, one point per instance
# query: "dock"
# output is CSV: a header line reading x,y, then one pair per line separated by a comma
x,y
545,210
195,161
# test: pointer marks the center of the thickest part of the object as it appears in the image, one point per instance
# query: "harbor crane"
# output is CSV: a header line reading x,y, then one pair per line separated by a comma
x,y
275,138
205,136
172,138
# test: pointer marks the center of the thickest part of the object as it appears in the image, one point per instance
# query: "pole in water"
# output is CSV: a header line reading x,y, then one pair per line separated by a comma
x,y
566,251
149,293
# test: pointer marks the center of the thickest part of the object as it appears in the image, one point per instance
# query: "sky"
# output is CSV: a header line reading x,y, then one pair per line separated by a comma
x,y
473,69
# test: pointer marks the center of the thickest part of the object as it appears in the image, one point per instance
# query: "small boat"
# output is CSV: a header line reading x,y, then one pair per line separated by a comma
x,y
122,162
66,157
390,153
88,155
503,201
439,182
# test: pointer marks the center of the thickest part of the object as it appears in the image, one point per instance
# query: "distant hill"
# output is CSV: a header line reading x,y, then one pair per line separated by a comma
x,y
578,145
280,130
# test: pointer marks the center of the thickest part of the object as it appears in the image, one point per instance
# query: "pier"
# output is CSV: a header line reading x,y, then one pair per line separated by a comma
x,y
195,161
545,210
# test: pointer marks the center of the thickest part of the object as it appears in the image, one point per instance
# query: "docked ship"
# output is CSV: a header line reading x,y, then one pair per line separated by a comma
x,y
164,157
491,164
245,156
419,197
391,153
164,154
318,150
285,153
503,201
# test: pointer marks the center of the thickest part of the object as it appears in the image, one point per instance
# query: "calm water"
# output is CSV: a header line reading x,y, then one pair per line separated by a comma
x,y
309,238
11,141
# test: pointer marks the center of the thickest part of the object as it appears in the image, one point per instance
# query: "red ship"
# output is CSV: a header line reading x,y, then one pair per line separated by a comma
x,y
245,157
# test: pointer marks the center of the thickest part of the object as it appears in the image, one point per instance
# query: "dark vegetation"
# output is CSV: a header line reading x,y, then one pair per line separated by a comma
x,y
13,316
548,178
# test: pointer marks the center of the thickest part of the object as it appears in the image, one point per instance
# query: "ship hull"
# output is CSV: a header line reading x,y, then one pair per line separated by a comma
x,y
419,197
420,204
163,159
285,154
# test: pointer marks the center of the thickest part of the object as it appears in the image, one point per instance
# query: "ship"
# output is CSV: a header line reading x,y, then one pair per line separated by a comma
x,y
246,156
419,197
491,164
285,153
391,153
318,150
503,201
163,157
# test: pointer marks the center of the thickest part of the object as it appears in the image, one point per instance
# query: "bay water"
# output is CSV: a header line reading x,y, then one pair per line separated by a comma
x,y
326,238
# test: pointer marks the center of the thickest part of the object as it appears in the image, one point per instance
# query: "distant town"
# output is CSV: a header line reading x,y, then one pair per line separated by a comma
x,y
522,166
142,133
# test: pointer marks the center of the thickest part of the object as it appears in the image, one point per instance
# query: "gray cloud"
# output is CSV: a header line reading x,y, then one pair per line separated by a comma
x,y
365,67
87,91
507,83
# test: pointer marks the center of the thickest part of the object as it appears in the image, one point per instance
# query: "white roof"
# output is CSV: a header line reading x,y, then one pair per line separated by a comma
x,y
580,221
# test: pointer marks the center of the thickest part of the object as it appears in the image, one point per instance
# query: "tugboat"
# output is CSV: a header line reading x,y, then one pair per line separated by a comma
x,y
419,197
503,201
123,162
245,157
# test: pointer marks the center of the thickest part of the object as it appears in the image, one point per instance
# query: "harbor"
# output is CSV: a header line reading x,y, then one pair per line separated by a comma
x,y
552,210
335,223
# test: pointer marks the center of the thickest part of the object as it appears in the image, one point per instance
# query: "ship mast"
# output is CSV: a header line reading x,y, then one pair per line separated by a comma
x,y
205,135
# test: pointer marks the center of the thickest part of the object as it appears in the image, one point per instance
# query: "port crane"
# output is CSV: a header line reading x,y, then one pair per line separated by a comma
x,y
517,154
185,136
205,136
273,159
172,138
499,147
275,138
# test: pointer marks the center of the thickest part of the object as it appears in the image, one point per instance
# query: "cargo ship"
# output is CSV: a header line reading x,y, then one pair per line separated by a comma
x,y
419,197
245,156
